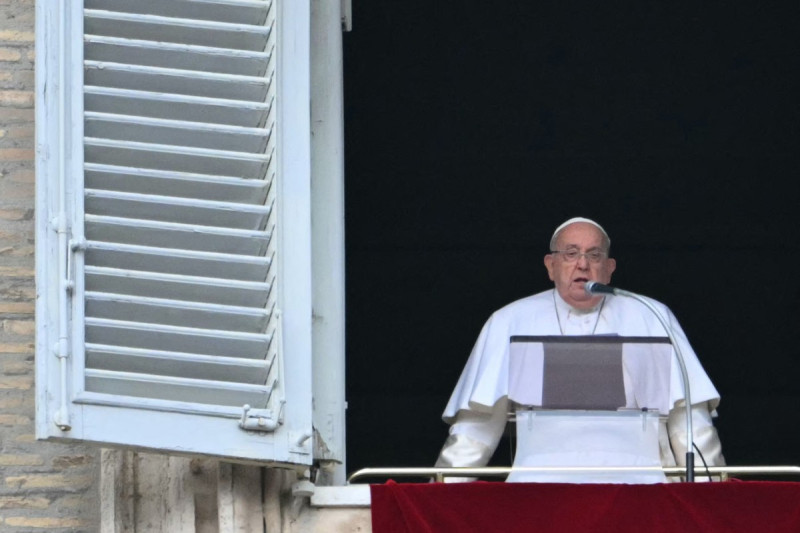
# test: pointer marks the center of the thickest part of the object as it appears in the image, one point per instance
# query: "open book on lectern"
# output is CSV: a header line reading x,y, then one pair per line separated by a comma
x,y
590,372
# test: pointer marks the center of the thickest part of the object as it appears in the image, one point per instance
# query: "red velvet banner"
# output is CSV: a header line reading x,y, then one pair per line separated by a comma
x,y
730,507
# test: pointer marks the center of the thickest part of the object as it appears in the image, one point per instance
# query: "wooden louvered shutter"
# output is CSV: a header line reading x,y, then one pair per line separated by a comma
x,y
186,201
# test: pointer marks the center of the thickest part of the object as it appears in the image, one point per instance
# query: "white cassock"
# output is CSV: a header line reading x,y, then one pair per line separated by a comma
x,y
478,407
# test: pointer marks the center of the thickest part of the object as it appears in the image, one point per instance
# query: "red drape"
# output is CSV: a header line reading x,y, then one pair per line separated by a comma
x,y
730,507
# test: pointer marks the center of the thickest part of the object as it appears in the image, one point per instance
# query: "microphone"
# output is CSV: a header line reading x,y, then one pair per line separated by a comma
x,y
594,287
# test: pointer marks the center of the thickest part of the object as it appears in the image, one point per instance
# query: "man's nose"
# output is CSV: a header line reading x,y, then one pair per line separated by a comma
x,y
583,262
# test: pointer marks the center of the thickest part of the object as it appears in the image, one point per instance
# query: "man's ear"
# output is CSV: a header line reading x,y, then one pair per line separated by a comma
x,y
548,264
611,266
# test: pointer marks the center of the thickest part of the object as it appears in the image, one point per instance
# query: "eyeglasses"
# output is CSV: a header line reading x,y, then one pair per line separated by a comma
x,y
570,256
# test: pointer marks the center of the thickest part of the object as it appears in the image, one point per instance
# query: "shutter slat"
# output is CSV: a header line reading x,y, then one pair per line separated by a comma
x,y
175,81
182,133
175,209
177,287
176,389
148,310
176,30
176,261
176,158
199,186
177,339
175,56
176,106
235,11
193,366
187,236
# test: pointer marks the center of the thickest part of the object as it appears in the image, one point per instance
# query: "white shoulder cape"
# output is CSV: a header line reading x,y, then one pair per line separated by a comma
x,y
484,379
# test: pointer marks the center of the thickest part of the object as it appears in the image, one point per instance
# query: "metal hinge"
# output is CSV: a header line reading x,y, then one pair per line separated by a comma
x,y
258,420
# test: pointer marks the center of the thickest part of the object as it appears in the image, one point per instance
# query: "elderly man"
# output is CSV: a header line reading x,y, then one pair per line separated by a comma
x,y
579,252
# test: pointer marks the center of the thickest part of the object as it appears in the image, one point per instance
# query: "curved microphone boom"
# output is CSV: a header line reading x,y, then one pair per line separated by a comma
x,y
594,287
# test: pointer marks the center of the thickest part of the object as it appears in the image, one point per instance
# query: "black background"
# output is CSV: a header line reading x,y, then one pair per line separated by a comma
x,y
474,128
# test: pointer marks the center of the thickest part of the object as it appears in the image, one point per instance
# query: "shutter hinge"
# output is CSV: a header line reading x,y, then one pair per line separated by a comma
x,y
62,346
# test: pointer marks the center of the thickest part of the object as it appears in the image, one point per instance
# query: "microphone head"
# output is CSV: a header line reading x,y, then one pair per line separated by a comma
x,y
588,286
594,287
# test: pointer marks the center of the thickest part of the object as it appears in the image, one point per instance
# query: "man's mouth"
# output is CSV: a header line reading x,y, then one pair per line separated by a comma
x,y
581,280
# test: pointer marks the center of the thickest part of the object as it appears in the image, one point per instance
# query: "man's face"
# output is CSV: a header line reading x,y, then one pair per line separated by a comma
x,y
570,277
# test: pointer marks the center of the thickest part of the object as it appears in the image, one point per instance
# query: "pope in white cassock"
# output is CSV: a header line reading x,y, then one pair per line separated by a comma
x,y
478,408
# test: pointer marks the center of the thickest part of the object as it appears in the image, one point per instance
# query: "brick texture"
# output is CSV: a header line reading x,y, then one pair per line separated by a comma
x,y
44,486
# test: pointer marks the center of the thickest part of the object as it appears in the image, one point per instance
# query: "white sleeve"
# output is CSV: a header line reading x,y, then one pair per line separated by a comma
x,y
705,435
473,439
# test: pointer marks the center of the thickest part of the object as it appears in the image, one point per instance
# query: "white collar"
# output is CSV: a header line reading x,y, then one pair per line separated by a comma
x,y
567,310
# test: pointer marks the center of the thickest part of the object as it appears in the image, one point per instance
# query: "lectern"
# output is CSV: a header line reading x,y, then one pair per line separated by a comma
x,y
588,401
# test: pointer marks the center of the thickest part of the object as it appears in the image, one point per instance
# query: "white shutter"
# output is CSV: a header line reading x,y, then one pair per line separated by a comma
x,y
175,302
